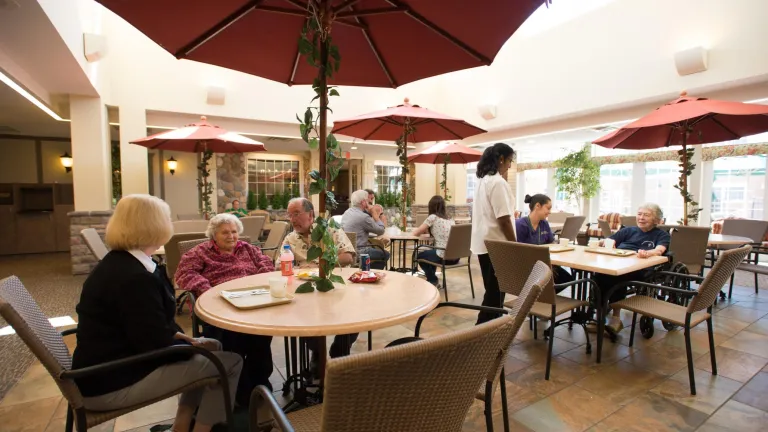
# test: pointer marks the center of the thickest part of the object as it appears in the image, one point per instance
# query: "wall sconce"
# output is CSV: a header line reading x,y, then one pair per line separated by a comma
x,y
172,164
66,161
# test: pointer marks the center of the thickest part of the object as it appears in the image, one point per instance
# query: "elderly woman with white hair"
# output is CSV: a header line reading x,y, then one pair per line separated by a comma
x,y
645,239
127,308
219,260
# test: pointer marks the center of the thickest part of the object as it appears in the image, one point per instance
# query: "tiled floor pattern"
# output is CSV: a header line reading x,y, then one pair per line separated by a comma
x,y
643,388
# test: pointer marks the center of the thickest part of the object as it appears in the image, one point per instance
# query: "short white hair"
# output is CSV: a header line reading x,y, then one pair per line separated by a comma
x,y
221,219
658,215
358,197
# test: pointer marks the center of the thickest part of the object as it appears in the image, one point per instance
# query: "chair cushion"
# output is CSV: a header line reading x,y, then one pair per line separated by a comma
x,y
306,419
544,310
660,309
753,268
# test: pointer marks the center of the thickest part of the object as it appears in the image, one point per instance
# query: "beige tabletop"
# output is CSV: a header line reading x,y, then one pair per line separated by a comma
x,y
720,239
605,264
350,308
406,236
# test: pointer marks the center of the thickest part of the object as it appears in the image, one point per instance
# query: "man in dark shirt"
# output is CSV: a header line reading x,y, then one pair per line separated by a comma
x,y
647,241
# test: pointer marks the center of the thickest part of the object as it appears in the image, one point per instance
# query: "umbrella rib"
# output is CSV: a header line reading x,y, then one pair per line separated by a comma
x,y
284,11
295,66
216,29
446,128
343,5
727,129
454,40
374,131
298,4
373,46
369,12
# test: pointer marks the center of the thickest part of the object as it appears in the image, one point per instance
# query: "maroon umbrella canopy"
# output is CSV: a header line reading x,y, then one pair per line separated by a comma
x,y
382,43
446,153
197,137
387,125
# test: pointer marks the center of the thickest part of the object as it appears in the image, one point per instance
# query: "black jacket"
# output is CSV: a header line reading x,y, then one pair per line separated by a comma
x,y
124,310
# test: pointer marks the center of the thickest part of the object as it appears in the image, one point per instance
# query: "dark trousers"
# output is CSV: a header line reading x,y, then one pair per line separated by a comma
x,y
605,283
493,297
429,269
341,345
257,358
561,276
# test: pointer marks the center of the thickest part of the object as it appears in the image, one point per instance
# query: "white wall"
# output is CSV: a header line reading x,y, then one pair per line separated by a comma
x,y
18,164
181,188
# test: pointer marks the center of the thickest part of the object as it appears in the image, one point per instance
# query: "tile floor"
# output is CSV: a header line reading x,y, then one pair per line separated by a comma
x,y
643,388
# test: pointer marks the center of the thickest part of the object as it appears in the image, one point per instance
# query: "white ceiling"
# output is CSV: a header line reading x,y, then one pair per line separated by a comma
x,y
24,118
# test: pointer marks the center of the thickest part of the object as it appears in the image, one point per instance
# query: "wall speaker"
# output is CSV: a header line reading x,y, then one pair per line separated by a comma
x,y
216,96
94,47
488,111
691,61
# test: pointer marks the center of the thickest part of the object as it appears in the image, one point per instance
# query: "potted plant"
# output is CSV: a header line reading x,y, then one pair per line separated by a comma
x,y
263,203
251,204
578,176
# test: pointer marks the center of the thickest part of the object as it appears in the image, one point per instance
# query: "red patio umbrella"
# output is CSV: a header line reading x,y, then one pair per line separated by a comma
x,y
405,123
201,137
686,121
445,153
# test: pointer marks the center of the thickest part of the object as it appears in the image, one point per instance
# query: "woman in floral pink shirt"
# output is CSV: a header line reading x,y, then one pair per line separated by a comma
x,y
222,259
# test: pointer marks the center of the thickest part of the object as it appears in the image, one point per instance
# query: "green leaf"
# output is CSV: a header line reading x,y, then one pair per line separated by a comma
x,y
336,278
315,188
333,224
314,253
305,46
333,92
324,285
314,175
308,116
314,143
331,142
304,288
317,233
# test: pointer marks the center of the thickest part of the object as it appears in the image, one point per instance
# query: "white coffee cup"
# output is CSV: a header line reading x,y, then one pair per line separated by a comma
x,y
609,243
564,241
278,286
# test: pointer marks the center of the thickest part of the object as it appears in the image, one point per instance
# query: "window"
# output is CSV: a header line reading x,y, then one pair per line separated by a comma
x,y
387,179
616,189
471,181
534,182
738,187
660,177
273,177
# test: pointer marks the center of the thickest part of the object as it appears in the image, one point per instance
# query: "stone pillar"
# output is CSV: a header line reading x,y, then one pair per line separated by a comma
x,y
133,158
83,261
231,180
91,154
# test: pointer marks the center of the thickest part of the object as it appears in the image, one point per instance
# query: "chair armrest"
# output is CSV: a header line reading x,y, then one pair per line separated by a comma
x,y
270,249
262,393
144,357
594,287
68,332
650,285
682,275
500,311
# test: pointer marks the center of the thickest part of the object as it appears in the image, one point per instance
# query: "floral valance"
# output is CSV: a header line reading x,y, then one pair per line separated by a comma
x,y
708,154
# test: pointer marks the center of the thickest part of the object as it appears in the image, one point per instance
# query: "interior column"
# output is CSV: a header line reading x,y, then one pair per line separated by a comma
x,y
91,154
133,158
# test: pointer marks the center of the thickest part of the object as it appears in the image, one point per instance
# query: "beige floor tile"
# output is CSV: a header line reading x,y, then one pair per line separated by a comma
x,y
575,335
736,416
36,384
723,326
621,382
753,303
571,409
699,341
733,364
711,390
660,358
59,425
535,350
749,342
148,415
475,420
31,416
760,326
513,364
754,392
741,313
612,353
652,413
563,373
641,342
61,409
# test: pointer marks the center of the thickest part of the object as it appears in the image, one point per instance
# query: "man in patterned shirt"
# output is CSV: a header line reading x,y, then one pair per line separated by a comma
x,y
302,214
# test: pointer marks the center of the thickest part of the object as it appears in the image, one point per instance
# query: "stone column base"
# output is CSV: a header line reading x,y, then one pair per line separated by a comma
x,y
83,261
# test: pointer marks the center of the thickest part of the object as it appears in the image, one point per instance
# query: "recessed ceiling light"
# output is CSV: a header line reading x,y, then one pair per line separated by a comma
x,y
28,96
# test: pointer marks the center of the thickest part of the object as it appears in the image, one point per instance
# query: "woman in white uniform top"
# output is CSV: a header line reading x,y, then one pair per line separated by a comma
x,y
492,217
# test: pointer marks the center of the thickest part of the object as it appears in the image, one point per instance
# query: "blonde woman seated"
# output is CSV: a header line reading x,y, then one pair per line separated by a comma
x,y
127,308
219,260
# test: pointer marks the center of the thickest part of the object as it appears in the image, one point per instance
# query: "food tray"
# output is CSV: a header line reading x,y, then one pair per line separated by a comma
x,y
612,252
255,301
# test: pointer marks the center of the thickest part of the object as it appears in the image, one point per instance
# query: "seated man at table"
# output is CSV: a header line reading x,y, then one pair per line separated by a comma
x,y
645,239
219,260
302,214
356,220
237,210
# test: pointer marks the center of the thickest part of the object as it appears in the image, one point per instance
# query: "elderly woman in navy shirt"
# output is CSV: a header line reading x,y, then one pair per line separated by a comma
x,y
534,229
645,239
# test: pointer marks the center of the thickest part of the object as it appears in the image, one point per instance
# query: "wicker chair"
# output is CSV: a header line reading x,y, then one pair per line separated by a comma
x,y
512,263
275,239
457,248
95,244
260,213
189,216
605,228
571,227
252,226
688,246
189,226
757,230
172,254
425,386
687,317
613,219
628,221
23,314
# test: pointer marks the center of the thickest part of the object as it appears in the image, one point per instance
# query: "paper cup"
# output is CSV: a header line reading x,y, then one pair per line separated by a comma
x,y
278,286
593,243
609,243
564,241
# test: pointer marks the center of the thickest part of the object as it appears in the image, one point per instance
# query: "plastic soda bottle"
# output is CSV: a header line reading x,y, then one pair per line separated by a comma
x,y
286,261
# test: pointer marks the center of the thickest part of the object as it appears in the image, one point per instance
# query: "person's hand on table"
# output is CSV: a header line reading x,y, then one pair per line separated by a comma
x,y
647,253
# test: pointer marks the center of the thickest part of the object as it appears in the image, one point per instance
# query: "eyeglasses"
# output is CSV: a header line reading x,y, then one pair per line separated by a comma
x,y
295,214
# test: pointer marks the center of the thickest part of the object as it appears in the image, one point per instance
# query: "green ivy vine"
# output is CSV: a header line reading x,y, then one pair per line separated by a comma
x,y
316,45
402,155
204,185
691,209
444,182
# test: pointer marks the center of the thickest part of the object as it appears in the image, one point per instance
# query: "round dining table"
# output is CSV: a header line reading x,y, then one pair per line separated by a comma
x,y
730,240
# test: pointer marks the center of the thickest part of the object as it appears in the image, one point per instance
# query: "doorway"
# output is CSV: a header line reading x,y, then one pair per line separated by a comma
x,y
348,181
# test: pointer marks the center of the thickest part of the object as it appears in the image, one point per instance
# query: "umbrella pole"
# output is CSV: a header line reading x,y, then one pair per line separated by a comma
x,y
685,179
322,148
405,176
445,179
